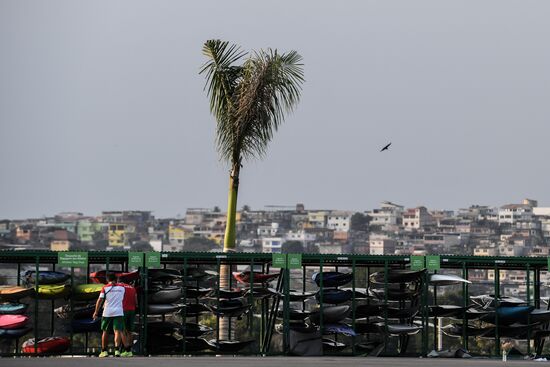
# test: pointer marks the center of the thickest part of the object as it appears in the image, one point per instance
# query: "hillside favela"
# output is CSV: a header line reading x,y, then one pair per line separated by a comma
x,y
517,229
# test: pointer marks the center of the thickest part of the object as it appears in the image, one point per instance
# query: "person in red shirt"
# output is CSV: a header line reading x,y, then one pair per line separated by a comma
x,y
129,304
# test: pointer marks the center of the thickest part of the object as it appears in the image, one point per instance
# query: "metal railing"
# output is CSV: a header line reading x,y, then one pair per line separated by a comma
x,y
269,307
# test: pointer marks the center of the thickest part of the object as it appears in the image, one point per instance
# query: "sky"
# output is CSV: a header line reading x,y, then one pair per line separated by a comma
x,y
102,106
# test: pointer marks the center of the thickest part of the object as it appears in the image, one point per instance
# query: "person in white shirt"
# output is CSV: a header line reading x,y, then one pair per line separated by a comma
x,y
111,297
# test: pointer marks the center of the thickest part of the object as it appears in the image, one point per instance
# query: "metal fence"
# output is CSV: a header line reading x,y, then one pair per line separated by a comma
x,y
273,322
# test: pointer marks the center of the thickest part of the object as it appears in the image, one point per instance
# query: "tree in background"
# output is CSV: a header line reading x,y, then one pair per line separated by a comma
x,y
292,247
200,244
360,222
298,247
141,246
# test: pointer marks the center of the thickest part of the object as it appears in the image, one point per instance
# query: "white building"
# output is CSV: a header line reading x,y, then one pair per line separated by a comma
x,y
339,221
330,248
194,216
485,251
272,244
317,219
417,218
389,214
300,235
506,249
512,213
545,227
269,231
167,247
381,244
247,246
539,251
541,211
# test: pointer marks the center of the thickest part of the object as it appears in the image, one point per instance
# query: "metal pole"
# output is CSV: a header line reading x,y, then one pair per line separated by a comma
x,y
274,311
71,303
17,351
353,305
303,286
286,305
537,287
145,279
86,338
229,285
336,269
321,295
386,337
251,291
218,266
367,286
425,314
52,307
252,306
263,318
527,281
497,304
465,298
184,312
36,289
436,320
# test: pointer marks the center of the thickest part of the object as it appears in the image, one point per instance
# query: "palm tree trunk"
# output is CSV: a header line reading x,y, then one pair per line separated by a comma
x,y
229,245
230,230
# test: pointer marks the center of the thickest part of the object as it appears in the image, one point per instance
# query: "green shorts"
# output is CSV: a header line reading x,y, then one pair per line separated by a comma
x,y
129,319
115,323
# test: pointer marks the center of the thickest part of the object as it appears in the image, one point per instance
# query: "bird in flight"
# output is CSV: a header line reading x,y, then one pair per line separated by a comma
x,y
387,147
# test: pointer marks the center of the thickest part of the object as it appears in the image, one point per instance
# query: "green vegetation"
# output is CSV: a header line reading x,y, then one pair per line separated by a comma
x,y
297,247
141,246
360,222
200,244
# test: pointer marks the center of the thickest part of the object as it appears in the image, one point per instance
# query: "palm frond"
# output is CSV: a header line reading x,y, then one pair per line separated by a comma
x,y
222,77
249,101
221,74
270,87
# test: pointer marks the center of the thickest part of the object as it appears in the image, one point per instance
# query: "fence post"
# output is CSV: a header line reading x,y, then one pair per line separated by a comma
x,y
465,301
497,305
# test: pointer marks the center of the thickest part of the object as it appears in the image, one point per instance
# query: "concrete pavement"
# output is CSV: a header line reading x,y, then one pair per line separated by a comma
x,y
256,362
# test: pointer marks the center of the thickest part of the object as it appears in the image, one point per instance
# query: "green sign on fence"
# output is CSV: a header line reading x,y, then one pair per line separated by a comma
x,y
72,259
548,263
135,259
433,262
417,262
152,259
294,261
278,260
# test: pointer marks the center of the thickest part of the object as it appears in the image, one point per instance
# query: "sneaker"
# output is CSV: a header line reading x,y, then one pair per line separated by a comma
x,y
127,354
103,354
117,353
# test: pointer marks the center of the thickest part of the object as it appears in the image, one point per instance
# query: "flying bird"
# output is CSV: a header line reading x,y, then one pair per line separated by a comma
x,y
387,147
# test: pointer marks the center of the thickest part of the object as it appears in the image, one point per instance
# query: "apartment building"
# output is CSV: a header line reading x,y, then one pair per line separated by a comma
x,y
417,218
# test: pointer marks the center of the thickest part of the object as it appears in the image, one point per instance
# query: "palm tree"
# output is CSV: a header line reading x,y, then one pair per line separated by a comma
x,y
249,102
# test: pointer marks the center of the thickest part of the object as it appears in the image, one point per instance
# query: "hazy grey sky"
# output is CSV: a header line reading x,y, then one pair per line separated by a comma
x,y
102,107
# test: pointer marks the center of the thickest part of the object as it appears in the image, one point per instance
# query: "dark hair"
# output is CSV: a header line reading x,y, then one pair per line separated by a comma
x,y
111,277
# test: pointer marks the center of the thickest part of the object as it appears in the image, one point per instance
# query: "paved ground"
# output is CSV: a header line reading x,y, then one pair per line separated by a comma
x,y
256,362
